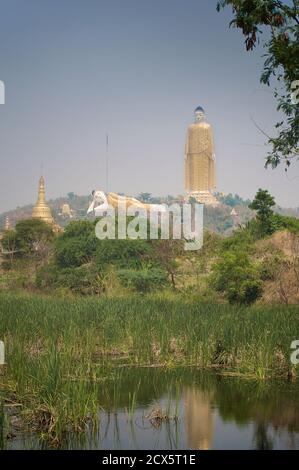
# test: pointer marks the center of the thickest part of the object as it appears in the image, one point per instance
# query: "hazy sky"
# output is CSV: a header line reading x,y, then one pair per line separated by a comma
x,y
75,70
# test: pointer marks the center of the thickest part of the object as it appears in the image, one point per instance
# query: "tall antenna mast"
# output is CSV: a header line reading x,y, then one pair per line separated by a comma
x,y
107,162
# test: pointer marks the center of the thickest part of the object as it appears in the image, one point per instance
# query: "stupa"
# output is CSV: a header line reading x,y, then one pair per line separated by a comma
x,y
41,209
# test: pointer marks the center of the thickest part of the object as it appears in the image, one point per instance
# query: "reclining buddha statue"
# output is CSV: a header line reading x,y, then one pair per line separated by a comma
x,y
102,202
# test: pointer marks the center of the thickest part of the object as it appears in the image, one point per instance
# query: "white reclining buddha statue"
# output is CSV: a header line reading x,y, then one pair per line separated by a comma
x,y
102,202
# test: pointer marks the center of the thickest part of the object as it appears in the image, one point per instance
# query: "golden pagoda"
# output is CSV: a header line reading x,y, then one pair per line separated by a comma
x,y
41,209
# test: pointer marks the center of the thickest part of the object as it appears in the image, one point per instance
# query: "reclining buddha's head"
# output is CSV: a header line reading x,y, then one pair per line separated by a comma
x,y
98,198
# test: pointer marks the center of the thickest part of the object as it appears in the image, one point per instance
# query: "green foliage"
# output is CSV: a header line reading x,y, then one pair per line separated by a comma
x,y
9,240
218,219
271,265
241,239
83,280
122,253
281,21
233,200
143,280
282,222
246,293
15,280
61,355
81,261
166,254
77,245
29,237
237,277
262,204
145,197
71,195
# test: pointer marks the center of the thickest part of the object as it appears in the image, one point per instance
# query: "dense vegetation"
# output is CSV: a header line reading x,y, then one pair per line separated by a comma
x,y
61,352
111,303
231,268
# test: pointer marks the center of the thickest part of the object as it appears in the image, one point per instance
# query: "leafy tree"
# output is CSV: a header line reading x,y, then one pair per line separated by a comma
x,y
145,197
165,254
237,277
9,247
281,20
31,238
71,195
77,245
123,253
232,200
263,203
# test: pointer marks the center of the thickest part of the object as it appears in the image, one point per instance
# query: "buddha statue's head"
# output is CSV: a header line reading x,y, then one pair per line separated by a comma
x,y
199,114
98,199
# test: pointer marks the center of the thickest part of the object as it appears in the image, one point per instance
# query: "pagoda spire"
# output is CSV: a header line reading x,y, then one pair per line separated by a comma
x,y
41,209
41,199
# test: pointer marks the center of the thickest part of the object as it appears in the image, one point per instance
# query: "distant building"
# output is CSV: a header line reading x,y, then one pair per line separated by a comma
x,y
66,211
7,225
200,171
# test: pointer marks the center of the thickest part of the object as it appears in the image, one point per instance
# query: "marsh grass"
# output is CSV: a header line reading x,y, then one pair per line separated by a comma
x,y
60,352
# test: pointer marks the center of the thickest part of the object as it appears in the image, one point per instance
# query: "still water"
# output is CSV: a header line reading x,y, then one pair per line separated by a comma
x,y
187,409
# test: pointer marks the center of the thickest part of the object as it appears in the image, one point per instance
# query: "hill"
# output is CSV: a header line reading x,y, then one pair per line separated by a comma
x,y
216,219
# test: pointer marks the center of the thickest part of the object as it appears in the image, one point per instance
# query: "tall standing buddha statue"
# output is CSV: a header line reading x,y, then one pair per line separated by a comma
x,y
200,171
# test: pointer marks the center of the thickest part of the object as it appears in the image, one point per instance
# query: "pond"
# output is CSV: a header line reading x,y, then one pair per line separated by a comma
x,y
183,408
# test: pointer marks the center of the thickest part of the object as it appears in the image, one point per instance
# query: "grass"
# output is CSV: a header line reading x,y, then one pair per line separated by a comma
x,y
59,352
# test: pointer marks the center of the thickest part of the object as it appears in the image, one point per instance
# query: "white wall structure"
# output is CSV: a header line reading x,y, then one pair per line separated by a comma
x,y
2,92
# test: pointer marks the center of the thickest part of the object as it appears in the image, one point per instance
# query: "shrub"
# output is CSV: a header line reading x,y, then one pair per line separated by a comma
x,y
282,222
77,245
84,280
246,292
122,253
143,280
237,277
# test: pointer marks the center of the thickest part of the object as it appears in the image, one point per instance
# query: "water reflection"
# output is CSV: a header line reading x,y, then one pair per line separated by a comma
x,y
187,409
199,418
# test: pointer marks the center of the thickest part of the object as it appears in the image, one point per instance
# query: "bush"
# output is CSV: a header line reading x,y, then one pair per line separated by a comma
x,y
143,280
237,277
282,222
122,253
246,293
84,280
77,245
271,266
